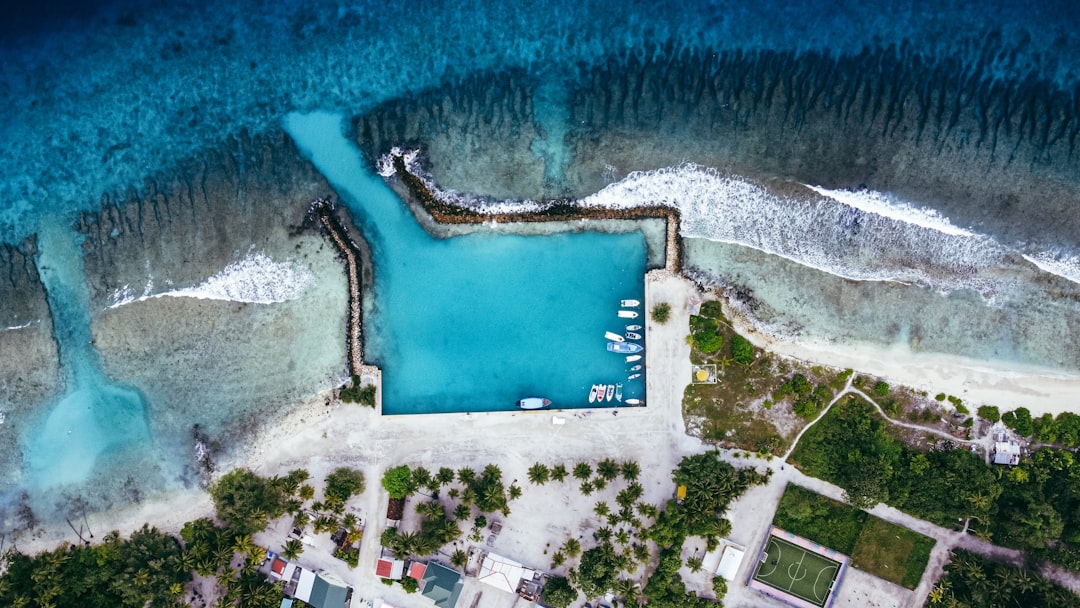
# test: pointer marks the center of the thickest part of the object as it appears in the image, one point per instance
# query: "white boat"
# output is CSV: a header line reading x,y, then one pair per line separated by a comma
x,y
533,403
614,337
632,358
600,388
633,376
633,336
610,392
592,394
636,368
624,347
618,392
633,402
629,303
633,328
628,314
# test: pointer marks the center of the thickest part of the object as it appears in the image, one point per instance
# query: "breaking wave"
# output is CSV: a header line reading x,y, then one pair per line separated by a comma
x,y
859,235
256,279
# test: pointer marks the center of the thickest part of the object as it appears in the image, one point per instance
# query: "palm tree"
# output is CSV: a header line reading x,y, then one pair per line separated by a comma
x,y
627,589
630,470
572,547
459,558
293,549
607,469
243,544
445,476
462,511
558,473
515,492
539,474
599,483
582,470
601,509
694,563
623,537
586,488
466,476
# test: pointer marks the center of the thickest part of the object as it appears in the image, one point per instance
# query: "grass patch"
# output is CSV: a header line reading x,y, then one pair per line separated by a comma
x,y
885,550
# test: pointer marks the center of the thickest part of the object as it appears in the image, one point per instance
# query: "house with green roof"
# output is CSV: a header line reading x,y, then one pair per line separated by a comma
x,y
441,585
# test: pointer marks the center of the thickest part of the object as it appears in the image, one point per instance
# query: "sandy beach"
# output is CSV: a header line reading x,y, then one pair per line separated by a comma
x,y
323,434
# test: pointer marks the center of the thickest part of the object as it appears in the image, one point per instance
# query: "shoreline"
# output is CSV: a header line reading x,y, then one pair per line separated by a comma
x,y
977,381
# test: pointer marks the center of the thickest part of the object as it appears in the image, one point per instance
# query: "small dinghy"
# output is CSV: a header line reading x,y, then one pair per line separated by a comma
x,y
633,336
633,376
636,368
618,392
614,337
632,358
624,347
592,394
633,328
610,392
628,314
630,303
600,388
633,402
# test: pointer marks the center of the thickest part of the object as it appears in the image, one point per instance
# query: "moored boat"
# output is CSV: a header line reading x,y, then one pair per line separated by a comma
x,y
614,337
533,403
633,402
630,303
624,347
600,388
633,376
636,368
633,327
628,314
618,392
632,358
610,392
592,394
633,335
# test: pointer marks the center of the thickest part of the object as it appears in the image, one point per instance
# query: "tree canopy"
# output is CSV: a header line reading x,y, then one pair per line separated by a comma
x,y
398,481
245,501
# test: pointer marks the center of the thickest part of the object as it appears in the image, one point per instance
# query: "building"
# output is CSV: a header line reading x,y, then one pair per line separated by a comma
x,y
441,585
389,568
1007,452
319,590
731,557
503,573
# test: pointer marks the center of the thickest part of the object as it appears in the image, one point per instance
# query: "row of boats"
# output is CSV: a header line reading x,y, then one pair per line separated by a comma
x,y
621,343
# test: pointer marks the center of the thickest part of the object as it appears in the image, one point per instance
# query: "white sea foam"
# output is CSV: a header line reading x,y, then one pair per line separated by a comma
x,y
1065,266
886,205
860,236
256,279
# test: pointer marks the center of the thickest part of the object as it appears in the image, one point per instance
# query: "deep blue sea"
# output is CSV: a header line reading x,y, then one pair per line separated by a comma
x,y
132,130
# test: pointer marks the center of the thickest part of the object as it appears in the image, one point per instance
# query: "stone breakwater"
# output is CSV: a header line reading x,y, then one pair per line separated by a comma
x,y
420,192
323,210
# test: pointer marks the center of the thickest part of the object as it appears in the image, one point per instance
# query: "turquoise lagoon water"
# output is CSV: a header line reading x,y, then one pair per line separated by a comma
x,y
476,322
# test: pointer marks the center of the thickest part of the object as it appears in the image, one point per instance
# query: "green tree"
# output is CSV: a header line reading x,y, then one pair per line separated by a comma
x,y
989,412
293,549
342,484
582,470
558,593
445,476
661,312
245,501
398,481
539,474
558,473
608,469
459,558
630,470
741,350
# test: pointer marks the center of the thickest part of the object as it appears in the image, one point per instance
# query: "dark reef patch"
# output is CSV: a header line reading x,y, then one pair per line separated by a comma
x,y
995,154
183,225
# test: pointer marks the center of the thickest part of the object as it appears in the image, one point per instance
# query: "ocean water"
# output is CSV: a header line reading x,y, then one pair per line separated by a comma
x,y
871,171
476,322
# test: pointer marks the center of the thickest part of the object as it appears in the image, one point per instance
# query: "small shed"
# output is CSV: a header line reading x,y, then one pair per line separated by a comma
x,y
389,568
730,560
1007,452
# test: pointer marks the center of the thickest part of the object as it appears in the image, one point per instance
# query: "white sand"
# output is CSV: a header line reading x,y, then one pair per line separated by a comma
x,y
319,438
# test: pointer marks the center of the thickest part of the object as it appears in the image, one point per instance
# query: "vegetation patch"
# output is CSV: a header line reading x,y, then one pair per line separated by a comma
x,y
971,580
885,550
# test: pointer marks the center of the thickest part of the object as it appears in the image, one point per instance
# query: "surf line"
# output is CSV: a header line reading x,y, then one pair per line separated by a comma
x,y
354,345
562,210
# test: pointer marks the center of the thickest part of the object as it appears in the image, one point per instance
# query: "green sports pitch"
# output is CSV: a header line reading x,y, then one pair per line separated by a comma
x,y
803,577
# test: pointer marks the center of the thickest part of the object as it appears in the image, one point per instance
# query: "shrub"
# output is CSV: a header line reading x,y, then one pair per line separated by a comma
x,y
343,483
397,481
719,587
881,389
989,412
741,350
708,341
409,584
1020,421
939,397
661,312
364,395
712,309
